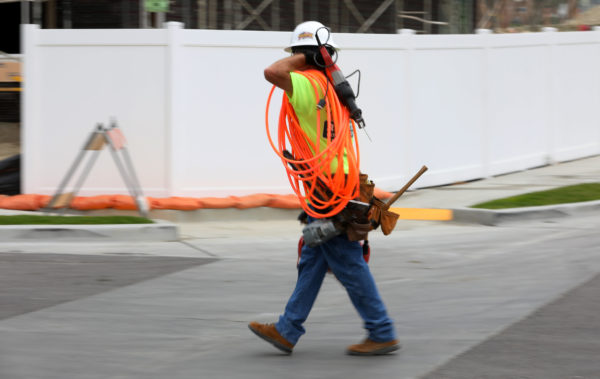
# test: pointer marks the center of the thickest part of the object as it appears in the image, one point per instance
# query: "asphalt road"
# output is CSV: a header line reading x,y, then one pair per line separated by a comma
x,y
512,301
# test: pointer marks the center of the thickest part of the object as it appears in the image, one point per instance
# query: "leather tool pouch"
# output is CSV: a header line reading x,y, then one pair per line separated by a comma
x,y
357,221
367,188
379,215
358,231
388,221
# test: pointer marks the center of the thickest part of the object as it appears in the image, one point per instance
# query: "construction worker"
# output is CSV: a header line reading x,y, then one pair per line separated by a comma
x,y
342,256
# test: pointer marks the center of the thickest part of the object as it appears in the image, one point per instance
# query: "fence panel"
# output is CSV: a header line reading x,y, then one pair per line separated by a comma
x,y
192,105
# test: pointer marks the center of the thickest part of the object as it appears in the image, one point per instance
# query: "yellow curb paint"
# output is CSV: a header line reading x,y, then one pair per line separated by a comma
x,y
423,214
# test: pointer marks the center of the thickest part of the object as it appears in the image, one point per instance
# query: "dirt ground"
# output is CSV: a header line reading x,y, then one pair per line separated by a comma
x,y
10,139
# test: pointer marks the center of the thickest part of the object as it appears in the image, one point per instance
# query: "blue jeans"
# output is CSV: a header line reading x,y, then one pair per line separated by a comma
x,y
345,259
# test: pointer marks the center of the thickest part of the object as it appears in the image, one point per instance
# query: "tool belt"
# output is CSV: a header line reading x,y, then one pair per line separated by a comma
x,y
360,216
378,213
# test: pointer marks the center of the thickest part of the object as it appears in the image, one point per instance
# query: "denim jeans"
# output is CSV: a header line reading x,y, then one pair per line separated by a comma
x,y
345,259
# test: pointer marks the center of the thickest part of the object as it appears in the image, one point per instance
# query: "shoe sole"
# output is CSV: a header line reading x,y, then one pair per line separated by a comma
x,y
382,351
281,347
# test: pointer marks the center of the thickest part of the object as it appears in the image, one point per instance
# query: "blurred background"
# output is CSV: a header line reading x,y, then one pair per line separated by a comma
x,y
350,16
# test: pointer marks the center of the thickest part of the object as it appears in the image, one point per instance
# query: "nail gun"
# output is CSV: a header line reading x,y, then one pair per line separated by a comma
x,y
340,84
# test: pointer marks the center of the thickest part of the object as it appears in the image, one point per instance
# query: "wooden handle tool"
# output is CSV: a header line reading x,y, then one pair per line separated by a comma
x,y
393,199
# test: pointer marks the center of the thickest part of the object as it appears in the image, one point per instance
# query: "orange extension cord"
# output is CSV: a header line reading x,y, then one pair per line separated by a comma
x,y
311,174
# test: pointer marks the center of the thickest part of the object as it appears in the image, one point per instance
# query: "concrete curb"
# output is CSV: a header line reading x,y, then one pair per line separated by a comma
x,y
160,231
164,230
496,217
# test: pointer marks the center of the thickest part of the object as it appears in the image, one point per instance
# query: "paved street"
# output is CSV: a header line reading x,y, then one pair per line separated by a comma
x,y
467,299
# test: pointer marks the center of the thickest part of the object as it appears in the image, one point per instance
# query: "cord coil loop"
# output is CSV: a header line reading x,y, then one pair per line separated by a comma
x,y
315,169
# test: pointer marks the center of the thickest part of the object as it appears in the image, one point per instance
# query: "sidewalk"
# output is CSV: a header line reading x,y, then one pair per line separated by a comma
x,y
538,179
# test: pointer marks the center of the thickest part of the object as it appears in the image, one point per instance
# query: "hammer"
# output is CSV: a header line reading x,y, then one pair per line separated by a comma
x,y
403,189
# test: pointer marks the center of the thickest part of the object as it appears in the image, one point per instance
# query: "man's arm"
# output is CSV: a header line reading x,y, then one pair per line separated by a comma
x,y
279,72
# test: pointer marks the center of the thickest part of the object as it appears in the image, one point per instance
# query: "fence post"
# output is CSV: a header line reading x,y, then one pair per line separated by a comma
x,y
550,113
173,101
29,99
596,29
407,111
485,109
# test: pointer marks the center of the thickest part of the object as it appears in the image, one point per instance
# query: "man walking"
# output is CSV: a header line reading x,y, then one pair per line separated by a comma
x,y
341,255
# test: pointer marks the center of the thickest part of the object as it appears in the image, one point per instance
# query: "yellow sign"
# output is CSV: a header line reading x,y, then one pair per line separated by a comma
x,y
156,5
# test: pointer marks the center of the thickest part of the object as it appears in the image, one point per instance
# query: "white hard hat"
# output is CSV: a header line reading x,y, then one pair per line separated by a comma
x,y
304,35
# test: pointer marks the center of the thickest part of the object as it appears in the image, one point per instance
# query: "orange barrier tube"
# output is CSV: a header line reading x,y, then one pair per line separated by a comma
x,y
24,202
34,202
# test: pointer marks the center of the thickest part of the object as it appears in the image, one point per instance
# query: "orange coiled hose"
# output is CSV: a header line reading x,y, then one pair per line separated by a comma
x,y
322,193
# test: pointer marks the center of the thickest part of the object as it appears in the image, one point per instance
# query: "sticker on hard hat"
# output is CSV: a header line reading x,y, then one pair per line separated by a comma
x,y
305,35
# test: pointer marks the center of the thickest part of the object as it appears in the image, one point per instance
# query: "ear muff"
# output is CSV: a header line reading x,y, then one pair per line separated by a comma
x,y
313,55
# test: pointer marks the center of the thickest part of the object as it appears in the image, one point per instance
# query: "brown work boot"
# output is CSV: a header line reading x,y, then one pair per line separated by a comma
x,y
368,347
268,333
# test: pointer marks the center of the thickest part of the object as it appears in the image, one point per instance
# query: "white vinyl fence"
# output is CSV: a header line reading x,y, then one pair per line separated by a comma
x,y
192,105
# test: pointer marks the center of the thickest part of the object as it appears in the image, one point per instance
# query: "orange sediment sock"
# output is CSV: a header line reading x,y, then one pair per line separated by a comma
x,y
34,202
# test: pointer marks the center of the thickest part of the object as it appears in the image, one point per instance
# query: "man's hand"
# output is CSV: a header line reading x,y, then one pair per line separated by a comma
x,y
279,72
